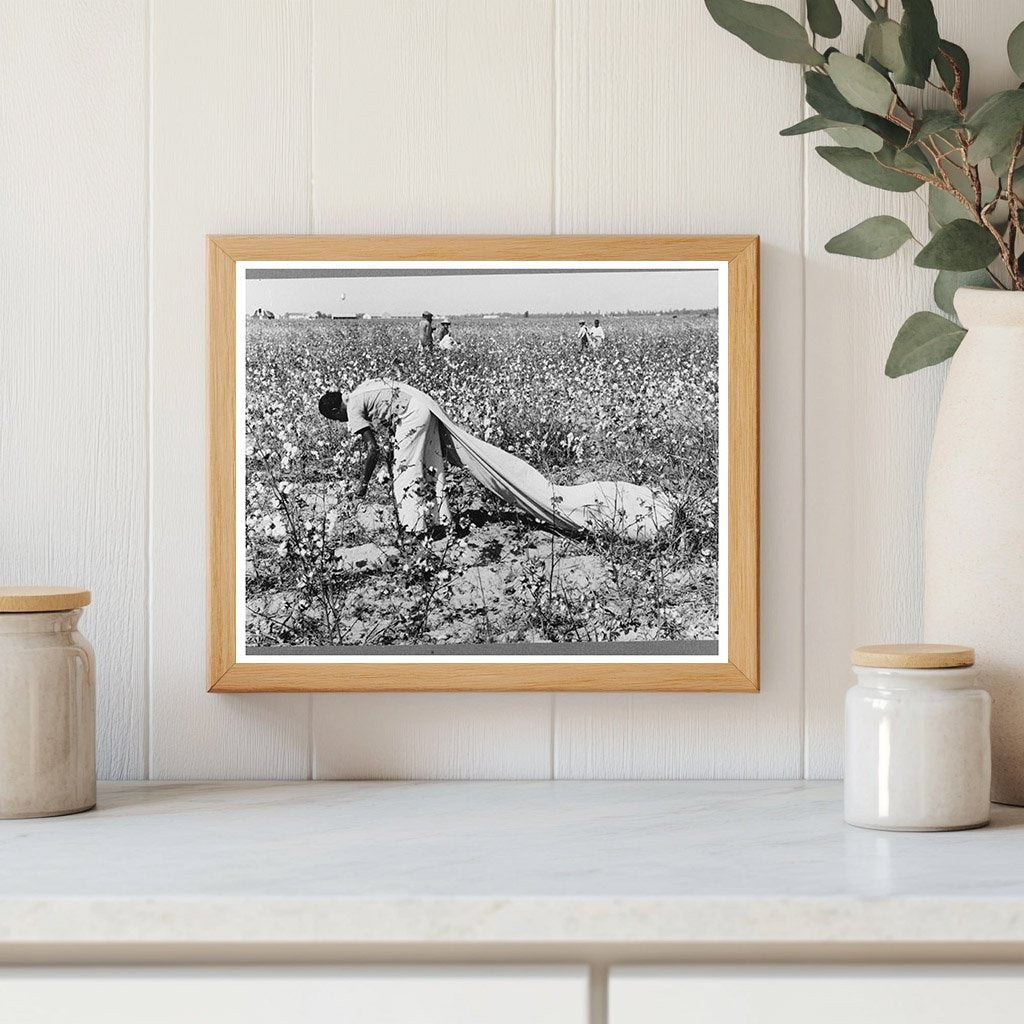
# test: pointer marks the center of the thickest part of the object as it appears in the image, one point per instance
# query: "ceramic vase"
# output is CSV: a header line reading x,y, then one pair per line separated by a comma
x,y
974,517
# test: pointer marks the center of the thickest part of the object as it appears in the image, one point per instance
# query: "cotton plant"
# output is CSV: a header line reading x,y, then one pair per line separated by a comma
x,y
966,156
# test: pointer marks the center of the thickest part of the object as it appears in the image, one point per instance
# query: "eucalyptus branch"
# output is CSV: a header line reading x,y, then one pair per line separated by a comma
x,y
1013,203
863,89
949,155
1004,251
956,93
971,171
932,150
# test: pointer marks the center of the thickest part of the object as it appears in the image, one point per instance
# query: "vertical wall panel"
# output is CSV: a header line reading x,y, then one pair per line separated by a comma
x,y
668,125
868,437
424,116
73,346
437,120
230,153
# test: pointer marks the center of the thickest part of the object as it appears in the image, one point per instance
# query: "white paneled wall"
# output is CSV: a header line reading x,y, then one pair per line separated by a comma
x,y
133,129
74,358
650,141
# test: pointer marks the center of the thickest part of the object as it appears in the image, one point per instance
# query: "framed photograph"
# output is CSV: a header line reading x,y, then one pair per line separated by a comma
x,y
483,463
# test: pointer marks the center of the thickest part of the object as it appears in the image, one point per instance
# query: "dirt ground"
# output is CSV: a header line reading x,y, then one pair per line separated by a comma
x,y
496,579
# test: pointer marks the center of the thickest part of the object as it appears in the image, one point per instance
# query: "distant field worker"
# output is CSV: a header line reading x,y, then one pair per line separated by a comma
x,y
425,341
583,336
425,437
596,334
444,338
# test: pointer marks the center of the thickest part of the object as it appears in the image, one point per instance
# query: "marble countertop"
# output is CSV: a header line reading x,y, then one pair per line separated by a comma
x,y
571,863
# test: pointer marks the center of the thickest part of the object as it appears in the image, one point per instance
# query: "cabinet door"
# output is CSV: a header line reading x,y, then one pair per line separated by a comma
x,y
473,995
813,995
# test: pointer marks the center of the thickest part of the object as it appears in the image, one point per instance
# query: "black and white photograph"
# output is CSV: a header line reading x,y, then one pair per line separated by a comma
x,y
481,460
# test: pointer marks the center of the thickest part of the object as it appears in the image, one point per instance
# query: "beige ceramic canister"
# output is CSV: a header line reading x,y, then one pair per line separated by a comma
x,y
47,704
918,750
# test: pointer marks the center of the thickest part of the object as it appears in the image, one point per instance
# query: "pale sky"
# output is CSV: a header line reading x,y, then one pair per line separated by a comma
x,y
466,292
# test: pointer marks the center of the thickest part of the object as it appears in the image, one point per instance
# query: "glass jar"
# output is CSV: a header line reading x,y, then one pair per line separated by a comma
x,y
47,704
918,750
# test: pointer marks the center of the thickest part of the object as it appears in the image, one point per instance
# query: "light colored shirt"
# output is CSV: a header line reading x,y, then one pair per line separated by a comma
x,y
376,404
597,335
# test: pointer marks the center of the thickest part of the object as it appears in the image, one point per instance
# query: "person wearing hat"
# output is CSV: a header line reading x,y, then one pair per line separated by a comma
x,y
444,338
583,336
426,337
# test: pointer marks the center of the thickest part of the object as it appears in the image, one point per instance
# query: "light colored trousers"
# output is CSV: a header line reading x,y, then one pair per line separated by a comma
x,y
419,470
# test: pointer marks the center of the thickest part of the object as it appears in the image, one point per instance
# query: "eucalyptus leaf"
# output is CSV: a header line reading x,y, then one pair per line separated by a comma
x,y
856,136
926,339
934,122
769,31
860,85
948,281
997,124
824,18
912,158
959,245
949,56
944,208
919,38
825,98
1001,161
1015,50
817,123
872,239
866,168
864,7
882,44
892,133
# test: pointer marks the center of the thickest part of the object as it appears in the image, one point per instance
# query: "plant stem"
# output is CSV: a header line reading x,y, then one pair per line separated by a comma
x,y
954,93
1013,203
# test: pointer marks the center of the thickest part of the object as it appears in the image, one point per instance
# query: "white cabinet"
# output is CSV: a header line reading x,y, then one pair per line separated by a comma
x,y
812,995
277,995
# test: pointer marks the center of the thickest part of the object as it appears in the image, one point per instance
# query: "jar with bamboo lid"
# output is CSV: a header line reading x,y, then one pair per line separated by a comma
x,y
47,704
918,750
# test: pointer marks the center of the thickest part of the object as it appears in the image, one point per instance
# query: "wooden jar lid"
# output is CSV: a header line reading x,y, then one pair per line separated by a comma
x,y
913,656
42,599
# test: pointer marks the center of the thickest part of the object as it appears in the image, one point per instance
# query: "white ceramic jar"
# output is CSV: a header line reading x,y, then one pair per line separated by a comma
x,y
47,704
918,747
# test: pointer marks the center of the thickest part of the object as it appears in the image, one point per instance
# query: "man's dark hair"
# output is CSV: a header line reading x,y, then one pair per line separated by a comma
x,y
332,405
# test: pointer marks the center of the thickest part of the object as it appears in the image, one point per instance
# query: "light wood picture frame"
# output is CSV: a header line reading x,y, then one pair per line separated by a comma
x,y
232,667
